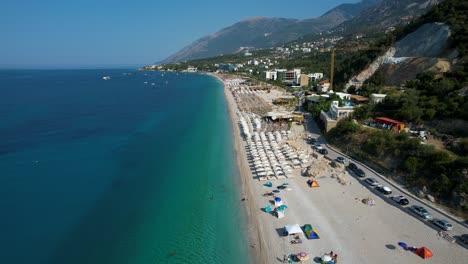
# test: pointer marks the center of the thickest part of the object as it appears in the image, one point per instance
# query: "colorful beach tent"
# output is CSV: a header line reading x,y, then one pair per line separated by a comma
x,y
267,209
423,252
313,183
307,227
312,234
292,229
278,201
281,208
279,214
303,256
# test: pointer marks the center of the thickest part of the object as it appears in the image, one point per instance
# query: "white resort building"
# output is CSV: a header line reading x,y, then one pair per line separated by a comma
x,y
335,114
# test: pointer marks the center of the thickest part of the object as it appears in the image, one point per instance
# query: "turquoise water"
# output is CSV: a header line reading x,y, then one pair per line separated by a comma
x,y
117,171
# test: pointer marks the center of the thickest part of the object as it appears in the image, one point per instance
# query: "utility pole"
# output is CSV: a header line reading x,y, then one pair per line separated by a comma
x,y
332,68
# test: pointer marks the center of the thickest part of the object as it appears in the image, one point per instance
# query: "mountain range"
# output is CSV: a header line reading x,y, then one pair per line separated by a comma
x,y
264,32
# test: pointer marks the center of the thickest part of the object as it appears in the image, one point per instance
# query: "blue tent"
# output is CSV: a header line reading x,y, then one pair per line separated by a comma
x,y
277,199
312,234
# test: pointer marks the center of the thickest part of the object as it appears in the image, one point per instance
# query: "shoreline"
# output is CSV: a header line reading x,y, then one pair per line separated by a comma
x,y
336,210
257,252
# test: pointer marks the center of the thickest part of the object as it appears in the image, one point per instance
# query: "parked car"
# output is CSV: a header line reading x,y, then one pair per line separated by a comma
x,y
383,189
421,211
360,173
341,160
371,181
323,151
400,199
352,167
317,146
442,224
464,239
311,140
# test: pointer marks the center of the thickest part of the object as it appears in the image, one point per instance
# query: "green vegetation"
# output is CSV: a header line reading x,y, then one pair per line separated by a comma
x,y
417,164
437,102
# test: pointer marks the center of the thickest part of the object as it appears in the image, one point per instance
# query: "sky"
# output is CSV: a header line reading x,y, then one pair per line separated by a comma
x,y
103,33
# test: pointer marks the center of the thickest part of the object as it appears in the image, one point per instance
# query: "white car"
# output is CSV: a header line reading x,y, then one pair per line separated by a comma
x,y
318,146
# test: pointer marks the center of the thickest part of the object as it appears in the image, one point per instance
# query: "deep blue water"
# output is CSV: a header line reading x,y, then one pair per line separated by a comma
x,y
117,171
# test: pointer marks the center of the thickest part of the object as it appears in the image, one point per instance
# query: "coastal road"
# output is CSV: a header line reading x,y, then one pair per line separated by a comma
x,y
437,213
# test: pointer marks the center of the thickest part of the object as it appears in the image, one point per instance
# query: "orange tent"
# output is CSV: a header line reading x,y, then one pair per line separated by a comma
x,y
423,252
313,183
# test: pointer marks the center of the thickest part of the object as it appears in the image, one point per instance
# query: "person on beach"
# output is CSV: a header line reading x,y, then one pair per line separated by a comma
x,y
335,258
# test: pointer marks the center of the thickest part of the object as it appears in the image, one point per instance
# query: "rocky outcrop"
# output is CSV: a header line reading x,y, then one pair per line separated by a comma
x,y
360,78
430,40
396,72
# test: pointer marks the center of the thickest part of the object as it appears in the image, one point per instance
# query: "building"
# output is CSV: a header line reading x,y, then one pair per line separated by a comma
x,y
390,124
302,80
191,69
323,86
315,76
270,75
225,67
315,99
377,98
359,99
343,96
284,116
335,114
306,50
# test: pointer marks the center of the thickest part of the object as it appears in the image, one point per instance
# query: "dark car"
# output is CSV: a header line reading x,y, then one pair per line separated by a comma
x,y
371,181
464,239
323,151
383,189
352,167
419,210
360,173
312,141
442,224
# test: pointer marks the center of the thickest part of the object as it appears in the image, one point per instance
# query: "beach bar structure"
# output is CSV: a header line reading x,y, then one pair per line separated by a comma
x,y
284,116
390,123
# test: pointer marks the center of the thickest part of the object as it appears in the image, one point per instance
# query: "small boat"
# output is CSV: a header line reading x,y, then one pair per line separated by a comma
x,y
145,82
106,78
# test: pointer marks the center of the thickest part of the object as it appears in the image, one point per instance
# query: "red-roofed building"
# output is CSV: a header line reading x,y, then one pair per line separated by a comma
x,y
390,123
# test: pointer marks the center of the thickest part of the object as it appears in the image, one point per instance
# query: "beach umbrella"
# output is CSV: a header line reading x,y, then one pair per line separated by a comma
x,y
277,199
326,258
303,256
402,244
281,207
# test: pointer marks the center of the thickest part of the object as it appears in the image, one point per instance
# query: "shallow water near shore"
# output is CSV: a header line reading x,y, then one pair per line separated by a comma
x,y
117,171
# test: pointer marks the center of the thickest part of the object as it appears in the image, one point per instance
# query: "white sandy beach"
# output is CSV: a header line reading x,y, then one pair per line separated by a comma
x,y
358,233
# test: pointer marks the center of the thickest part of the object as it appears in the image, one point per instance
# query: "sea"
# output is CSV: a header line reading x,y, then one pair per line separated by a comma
x,y
136,169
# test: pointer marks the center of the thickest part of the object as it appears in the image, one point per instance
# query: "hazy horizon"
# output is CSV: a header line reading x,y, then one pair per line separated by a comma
x,y
89,34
